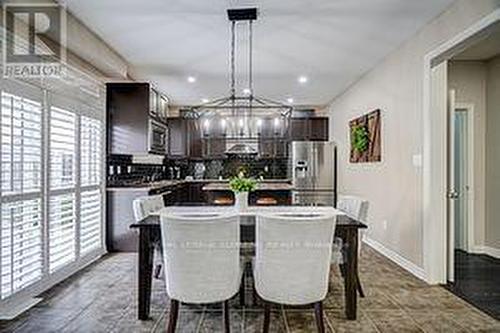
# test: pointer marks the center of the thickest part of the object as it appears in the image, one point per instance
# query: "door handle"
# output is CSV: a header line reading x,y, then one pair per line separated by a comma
x,y
453,195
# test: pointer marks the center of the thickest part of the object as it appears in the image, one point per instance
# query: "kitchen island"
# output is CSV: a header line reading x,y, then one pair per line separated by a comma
x,y
120,215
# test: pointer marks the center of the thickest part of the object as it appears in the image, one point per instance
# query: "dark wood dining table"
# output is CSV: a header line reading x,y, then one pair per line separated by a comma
x,y
347,229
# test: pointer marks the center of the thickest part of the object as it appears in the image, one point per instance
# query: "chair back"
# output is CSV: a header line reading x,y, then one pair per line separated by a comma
x,y
202,256
144,206
355,207
292,261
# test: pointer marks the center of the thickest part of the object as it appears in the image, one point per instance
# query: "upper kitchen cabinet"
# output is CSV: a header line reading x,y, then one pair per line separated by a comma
x,y
158,105
309,129
134,122
214,137
177,137
272,138
194,138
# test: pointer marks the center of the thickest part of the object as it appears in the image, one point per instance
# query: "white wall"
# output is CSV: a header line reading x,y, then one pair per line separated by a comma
x,y
394,186
468,78
492,230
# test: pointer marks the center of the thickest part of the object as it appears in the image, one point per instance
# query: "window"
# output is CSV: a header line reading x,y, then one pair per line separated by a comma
x,y
91,151
61,230
51,186
21,223
21,145
91,221
62,148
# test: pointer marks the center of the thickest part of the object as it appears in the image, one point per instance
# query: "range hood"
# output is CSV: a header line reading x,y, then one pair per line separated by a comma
x,y
241,149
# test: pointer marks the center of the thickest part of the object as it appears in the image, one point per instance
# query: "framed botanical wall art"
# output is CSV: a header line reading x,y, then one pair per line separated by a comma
x,y
365,138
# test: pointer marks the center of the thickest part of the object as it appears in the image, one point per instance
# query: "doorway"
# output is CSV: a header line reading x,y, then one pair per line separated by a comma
x,y
473,164
465,259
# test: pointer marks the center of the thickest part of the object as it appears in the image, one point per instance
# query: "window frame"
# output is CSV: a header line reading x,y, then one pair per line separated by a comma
x,y
48,97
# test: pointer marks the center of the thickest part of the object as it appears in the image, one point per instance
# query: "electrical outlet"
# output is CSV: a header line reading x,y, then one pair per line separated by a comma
x,y
384,224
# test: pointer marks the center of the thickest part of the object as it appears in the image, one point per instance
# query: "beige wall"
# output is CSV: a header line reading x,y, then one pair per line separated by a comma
x,y
492,230
468,78
394,186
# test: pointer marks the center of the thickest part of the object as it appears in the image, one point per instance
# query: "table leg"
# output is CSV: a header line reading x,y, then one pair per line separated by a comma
x,y
146,253
351,268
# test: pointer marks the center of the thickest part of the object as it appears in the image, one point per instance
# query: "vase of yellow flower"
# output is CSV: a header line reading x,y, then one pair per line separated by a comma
x,y
241,186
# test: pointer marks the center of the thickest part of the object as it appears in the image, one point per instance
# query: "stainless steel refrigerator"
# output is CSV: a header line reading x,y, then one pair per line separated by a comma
x,y
314,173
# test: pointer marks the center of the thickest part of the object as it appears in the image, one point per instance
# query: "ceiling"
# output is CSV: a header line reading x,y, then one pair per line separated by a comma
x,y
485,47
332,42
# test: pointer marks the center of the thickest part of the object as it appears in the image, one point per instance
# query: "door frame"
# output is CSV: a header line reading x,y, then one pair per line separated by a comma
x,y
469,108
434,216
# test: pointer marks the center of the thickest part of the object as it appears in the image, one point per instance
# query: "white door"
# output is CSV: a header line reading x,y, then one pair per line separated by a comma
x,y
452,192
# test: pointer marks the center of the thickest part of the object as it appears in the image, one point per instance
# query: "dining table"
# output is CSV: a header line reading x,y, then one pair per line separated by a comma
x,y
149,233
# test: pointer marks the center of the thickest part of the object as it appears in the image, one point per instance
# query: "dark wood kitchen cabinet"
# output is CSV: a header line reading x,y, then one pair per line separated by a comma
x,y
196,193
130,118
309,129
177,137
272,139
194,138
214,139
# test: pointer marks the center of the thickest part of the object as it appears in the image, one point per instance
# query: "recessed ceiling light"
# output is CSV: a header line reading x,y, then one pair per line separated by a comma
x,y
246,91
204,100
289,100
191,79
302,79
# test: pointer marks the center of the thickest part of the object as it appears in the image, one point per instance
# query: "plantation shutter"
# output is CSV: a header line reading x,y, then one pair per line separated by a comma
x,y
91,152
21,254
51,181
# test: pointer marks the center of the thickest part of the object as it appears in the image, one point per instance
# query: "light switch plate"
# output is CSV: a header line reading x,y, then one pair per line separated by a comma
x,y
417,160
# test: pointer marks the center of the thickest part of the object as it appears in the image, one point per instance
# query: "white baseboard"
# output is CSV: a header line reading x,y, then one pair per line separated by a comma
x,y
397,258
483,249
11,310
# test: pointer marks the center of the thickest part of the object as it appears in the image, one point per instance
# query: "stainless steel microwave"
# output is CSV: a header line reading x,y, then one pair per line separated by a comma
x,y
157,137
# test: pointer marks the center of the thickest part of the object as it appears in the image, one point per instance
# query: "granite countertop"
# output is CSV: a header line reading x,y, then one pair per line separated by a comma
x,y
266,184
261,186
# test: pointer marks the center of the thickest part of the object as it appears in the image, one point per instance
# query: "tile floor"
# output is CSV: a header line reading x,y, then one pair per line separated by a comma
x,y
102,298
477,280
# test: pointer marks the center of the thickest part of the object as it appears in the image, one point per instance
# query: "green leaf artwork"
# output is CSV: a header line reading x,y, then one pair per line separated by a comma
x,y
360,138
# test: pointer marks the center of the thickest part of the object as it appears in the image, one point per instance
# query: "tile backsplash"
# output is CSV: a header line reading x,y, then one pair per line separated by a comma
x,y
273,168
122,171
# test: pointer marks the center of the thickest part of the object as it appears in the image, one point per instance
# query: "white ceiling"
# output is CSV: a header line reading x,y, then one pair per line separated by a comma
x,y
332,42
486,47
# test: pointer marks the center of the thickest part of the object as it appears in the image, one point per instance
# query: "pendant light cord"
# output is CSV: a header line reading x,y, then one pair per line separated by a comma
x,y
233,42
250,59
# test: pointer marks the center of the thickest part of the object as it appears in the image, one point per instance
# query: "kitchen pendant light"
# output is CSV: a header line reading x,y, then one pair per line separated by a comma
x,y
248,104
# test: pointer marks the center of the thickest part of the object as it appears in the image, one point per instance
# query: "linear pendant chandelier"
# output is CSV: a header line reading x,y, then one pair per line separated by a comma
x,y
248,105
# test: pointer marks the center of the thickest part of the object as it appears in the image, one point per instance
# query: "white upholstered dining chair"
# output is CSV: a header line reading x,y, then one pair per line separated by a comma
x,y
292,260
202,260
357,208
143,207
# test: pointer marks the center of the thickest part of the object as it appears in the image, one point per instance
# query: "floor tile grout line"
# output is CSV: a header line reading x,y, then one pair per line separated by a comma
x,y
370,320
328,323
200,322
285,320
405,312
157,323
242,326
